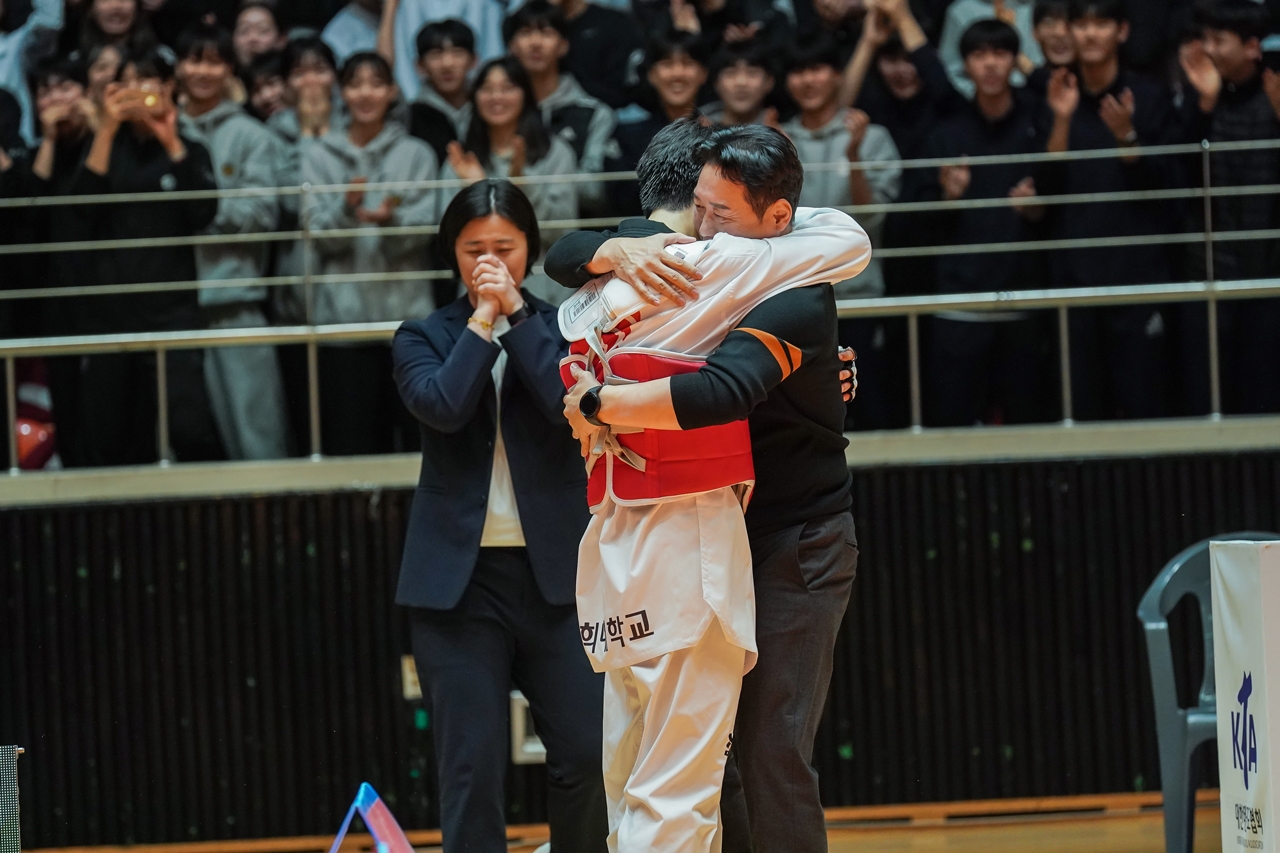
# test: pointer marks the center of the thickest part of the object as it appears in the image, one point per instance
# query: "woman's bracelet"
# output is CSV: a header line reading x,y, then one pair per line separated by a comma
x,y
484,324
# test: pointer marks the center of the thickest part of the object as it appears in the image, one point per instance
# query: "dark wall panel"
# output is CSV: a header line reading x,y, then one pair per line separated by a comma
x,y
229,668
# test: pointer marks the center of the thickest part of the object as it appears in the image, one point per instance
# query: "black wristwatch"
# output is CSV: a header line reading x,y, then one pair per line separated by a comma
x,y
589,406
515,318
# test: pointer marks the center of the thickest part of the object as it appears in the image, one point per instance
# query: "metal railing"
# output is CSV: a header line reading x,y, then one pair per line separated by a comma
x,y
312,335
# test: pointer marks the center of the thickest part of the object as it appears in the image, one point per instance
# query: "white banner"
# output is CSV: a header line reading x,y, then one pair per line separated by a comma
x,y
1245,578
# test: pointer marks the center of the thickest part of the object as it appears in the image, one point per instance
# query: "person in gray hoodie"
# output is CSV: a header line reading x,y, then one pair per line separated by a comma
x,y
359,405
245,388
507,139
845,139
442,112
537,35
311,81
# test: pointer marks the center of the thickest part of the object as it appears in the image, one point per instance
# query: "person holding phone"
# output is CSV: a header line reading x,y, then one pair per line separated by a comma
x,y
491,551
138,148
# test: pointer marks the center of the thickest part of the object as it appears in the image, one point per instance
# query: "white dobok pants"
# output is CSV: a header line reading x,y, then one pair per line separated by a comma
x,y
668,726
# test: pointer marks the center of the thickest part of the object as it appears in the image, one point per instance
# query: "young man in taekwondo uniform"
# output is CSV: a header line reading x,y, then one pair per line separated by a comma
x,y
665,589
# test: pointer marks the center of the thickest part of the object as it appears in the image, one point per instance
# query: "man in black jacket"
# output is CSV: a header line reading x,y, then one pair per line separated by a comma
x,y
1225,69
779,369
63,114
1118,353
985,364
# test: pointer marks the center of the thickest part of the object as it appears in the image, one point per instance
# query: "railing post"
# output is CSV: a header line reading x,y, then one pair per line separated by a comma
x,y
1064,361
313,395
913,355
1211,301
309,295
308,285
162,406
11,412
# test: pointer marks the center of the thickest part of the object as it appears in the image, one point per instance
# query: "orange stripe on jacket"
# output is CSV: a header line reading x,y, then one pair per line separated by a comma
x,y
787,355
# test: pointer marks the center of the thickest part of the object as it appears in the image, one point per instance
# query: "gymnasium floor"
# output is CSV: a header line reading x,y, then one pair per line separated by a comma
x,y
1139,833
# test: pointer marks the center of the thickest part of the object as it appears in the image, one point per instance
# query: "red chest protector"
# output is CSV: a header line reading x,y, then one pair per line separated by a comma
x,y
672,463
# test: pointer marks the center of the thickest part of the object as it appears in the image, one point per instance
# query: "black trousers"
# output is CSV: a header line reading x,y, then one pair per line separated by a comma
x,y
881,402
104,408
360,408
1118,362
981,371
1248,352
504,632
803,578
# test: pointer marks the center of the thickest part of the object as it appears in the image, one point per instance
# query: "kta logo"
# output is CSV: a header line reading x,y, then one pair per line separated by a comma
x,y
1244,737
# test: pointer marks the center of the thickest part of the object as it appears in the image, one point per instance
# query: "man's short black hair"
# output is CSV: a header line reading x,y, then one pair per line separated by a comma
x,y
264,67
761,160
1103,10
372,59
989,34
752,52
58,69
439,35
535,15
809,50
198,39
1050,10
158,63
303,47
662,45
669,168
1246,19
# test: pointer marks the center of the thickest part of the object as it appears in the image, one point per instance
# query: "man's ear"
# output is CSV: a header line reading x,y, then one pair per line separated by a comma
x,y
421,65
1122,34
563,50
778,216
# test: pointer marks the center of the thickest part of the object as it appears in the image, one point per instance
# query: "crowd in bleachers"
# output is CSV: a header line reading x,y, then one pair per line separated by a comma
x,y
123,96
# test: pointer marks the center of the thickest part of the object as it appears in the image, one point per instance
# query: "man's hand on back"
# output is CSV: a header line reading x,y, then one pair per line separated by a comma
x,y
642,263
849,374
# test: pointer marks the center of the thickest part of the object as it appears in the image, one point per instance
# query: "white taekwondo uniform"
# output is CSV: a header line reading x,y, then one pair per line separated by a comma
x,y
665,595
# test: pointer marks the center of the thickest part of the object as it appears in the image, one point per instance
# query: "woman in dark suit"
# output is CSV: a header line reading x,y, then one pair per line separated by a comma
x,y
492,545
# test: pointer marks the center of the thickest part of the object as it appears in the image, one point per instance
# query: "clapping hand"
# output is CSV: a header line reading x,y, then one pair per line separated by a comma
x,y
1063,93
380,215
518,153
684,17
1117,113
464,164
856,122
1201,73
954,181
1271,84
355,197
1026,189
877,25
